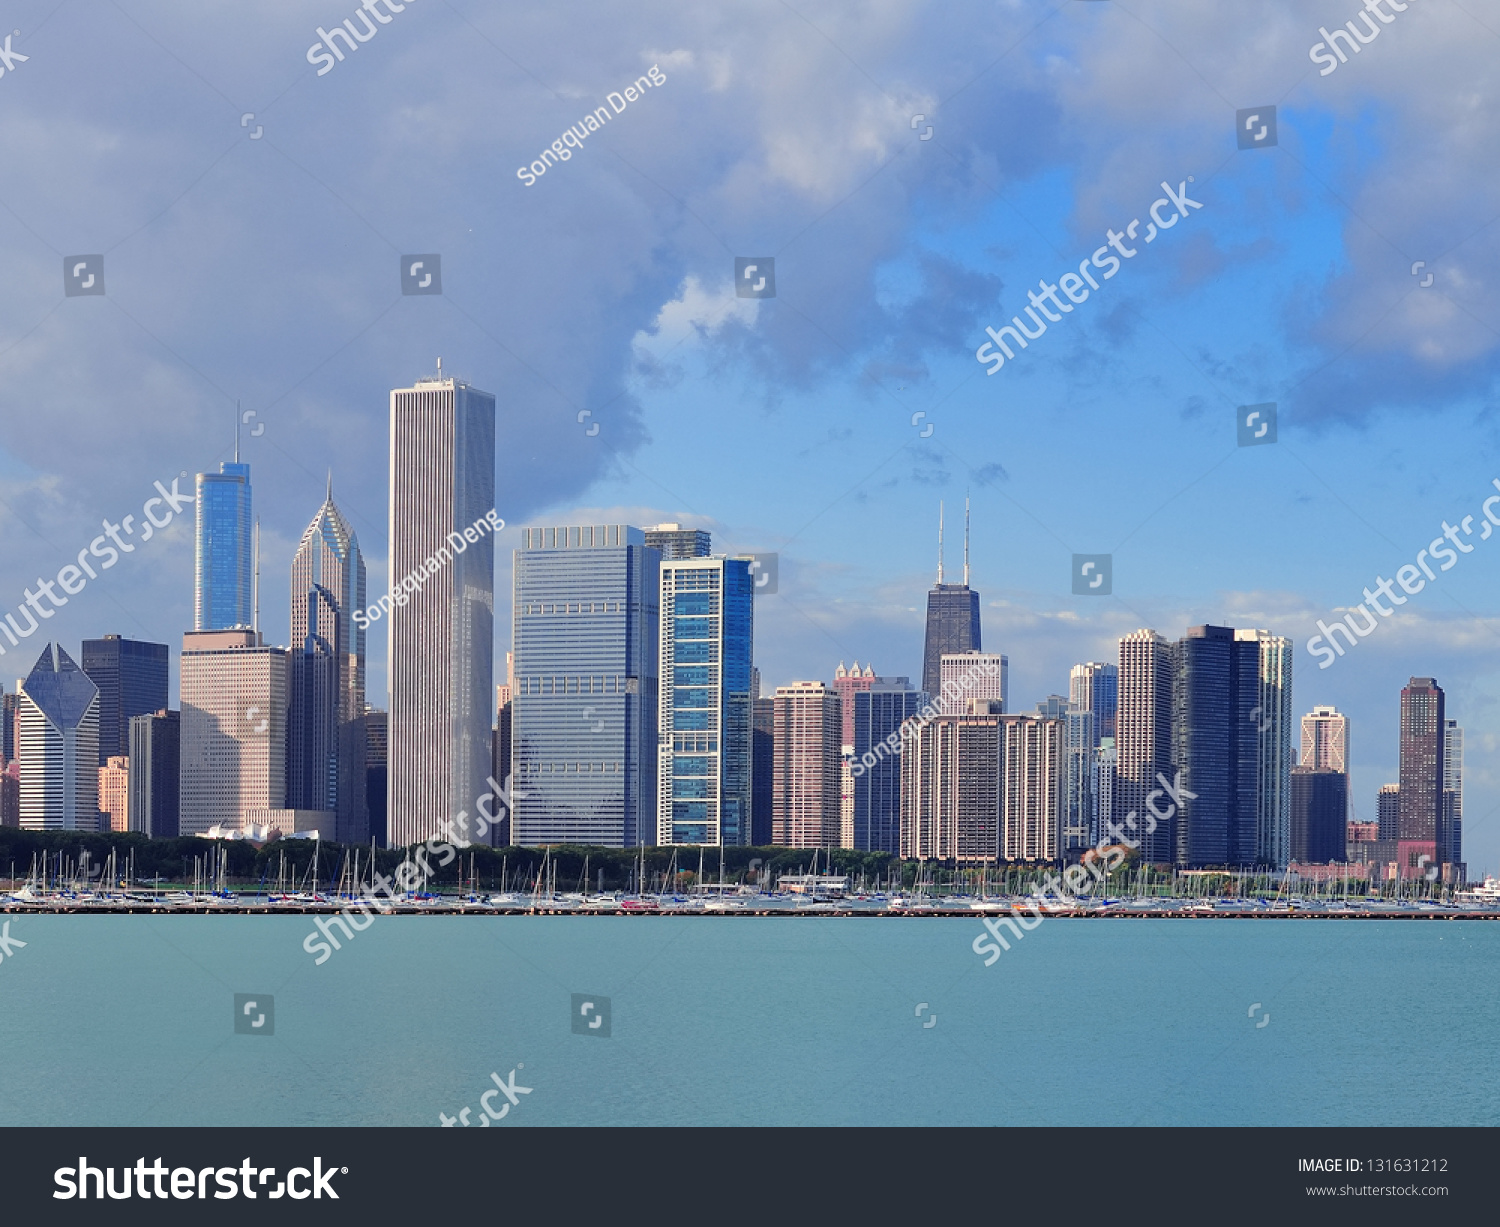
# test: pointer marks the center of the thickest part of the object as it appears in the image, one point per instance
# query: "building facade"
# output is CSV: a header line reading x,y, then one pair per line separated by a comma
x,y
704,732
969,676
880,710
1319,816
58,746
1325,740
114,794
1032,778
440,642
1143,741
1451,825
674,541
233,729
585,686
1420,801
806,766
763,770
223,581
131,675
155,770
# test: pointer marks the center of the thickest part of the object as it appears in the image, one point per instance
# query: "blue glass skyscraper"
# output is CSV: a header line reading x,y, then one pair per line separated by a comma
x,y
704,743
879,712
222,591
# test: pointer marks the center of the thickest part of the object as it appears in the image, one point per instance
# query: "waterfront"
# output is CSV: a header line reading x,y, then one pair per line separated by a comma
x,y
125,1020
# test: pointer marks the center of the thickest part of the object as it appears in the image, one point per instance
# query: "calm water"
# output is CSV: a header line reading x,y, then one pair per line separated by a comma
x,y
122,1020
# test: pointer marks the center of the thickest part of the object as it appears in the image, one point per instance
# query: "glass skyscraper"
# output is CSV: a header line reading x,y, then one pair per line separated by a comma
x,y
879,710
222,584
704,742
952,616
584,686
132,678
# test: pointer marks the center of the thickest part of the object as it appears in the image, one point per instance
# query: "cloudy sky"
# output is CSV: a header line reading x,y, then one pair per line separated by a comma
x,y
913,169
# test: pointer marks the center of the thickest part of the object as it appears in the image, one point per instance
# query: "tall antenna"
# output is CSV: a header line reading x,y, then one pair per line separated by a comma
x,y
966,538
940,541
255,582
236,432
440,368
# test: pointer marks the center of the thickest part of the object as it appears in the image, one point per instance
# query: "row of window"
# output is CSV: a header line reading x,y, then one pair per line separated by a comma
x,y
573,607
577,685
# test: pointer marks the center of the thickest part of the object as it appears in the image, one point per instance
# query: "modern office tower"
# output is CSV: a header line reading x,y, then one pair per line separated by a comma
x,y
59,746
1104,790
155,773
10,795
1421,796
1053,707
879,712
805,799
376,728
584,707
951,788
703,739
1325,740
498,835
846,683
1232,745
1319,816
763,770
114,794
132,679
846,799
223,582
1388,810
325,752
1094,686
233,729
966,676
1143,740
1451,824
952,615
10,710
674,541
440,645
1031,788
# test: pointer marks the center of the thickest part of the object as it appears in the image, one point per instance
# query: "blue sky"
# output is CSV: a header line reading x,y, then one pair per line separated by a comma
x,y
263,271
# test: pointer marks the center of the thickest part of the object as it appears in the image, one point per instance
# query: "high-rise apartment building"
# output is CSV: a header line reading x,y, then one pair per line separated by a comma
x,y
880,709
440,643
1094,686
969,676
952,616
763,770
846,683
1272,714
674,541
1319,816
132,679
1325,740
376,770
1451,825
1093,701
10,710
1388,810
584,687
58,746
155,773
951,788
1421,796
233,729
223,585
805,796
1143,740
114,794
1031,769
326,676
704,732
1104,789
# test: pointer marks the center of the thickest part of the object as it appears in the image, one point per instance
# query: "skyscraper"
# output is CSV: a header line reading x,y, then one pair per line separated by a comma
x,y
951,788
806,766
674,541
763,770
704,733
1325,740
440,645
376,771
952,615
965,676
1319,815
114,794
325,758
1093,701
879,710
1421,796
59,746
1094,686
233,729
846,682
1031,788
132,679
1388,810
584,702
223,582
1143,740
1273,724
155,766
1451,826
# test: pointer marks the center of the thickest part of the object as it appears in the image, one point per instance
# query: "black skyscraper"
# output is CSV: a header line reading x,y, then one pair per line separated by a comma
x,y
1320,811
878,713
952,615
132,679
762,773
155,743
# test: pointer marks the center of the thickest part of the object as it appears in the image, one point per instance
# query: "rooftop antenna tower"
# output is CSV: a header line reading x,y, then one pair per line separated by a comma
x,y
940,541
236,432
255,582
966,539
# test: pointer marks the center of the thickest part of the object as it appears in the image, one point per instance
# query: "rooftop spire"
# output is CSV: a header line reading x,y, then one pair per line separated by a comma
x,y
940,541
236,432
966,538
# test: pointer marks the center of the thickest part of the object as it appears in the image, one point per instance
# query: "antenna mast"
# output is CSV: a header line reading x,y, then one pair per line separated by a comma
x,y
236,432
255,582
966,539
940,541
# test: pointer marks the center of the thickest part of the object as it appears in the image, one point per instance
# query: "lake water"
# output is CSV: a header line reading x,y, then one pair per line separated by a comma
x,y
129,1020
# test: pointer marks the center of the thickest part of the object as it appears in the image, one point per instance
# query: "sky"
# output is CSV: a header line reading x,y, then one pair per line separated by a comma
x,y
913,169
